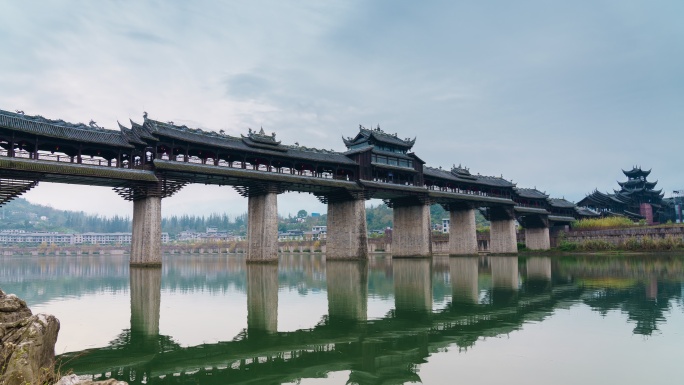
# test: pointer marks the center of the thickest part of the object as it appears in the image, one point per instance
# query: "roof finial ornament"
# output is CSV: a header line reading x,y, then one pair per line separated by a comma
x,y
93,124
144,114
20,112
170,122
297,144
250,130
222,132
273,135
261,132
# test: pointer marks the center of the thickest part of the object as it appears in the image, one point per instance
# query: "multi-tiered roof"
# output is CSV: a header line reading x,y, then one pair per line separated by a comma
x,y
379,138
634,192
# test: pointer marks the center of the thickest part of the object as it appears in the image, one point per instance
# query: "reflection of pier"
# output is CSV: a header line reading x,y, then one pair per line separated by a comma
x,y
145,300
412,285
347,283
262,298
504,272
464,279
375,352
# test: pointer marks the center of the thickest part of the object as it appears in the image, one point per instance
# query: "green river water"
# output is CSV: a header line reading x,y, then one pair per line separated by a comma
x,y
213,319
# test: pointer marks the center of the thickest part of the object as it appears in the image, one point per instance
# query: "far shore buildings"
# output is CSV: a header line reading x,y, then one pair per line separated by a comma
x,y
21,237
637,198
211,235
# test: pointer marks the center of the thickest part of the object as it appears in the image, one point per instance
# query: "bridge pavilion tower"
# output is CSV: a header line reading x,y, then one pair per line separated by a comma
x,y
390,172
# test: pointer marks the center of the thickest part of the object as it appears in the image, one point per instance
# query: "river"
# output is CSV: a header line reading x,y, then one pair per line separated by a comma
x,y
213,319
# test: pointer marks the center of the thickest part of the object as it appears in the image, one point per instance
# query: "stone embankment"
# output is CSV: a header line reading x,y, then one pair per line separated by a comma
x,y
27,346
636,239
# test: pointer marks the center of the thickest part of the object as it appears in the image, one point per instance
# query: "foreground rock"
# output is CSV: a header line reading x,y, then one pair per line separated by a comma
x,y
27,346
27,343
12,308
74,380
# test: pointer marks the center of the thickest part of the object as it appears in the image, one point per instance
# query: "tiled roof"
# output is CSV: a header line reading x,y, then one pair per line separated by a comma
x,y
40,126
530,193
472,179
398,168
380,136
636,172
130,135
560,203
392,154
585,212
494,181
222,141
358,150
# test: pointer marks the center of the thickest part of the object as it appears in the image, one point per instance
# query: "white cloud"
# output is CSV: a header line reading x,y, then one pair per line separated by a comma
x,y
551,96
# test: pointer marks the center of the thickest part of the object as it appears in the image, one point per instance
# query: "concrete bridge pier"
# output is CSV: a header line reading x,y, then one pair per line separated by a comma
x,y
262,298
462,232
347,283
347,232
536,232
262,228
464,277
146,236
537,238
502,231
145,300
412,233
412,285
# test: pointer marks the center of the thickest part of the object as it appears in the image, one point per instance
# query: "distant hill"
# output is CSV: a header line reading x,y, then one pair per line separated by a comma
x,y
21,214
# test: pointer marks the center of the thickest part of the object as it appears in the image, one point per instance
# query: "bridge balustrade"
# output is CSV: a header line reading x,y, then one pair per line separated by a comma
x,y
63,158
433,187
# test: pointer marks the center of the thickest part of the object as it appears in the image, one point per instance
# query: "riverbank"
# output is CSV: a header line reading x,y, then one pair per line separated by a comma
x,y
648,239
637,239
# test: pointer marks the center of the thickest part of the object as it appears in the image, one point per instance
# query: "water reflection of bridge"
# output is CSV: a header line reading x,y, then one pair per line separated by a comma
x,y
374,351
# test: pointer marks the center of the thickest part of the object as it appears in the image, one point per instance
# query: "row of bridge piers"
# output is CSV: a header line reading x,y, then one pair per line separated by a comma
x,y
347,288
347,232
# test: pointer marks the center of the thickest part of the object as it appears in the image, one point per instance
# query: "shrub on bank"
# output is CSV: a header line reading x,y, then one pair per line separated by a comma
x,y
567,246
603,223
630,244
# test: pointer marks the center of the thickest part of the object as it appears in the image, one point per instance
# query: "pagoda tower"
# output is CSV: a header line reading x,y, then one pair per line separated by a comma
x,y
636,199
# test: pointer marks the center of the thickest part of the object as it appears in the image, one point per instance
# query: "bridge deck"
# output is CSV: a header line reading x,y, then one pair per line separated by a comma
x,y
60,172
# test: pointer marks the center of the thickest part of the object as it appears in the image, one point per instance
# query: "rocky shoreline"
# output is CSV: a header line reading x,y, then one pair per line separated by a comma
x,y
27,347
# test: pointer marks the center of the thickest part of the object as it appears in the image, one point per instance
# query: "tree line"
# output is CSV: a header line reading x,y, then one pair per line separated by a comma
x,y
20,214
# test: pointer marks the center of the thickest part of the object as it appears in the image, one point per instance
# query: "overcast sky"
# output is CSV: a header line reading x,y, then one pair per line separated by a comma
x,y
555,95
